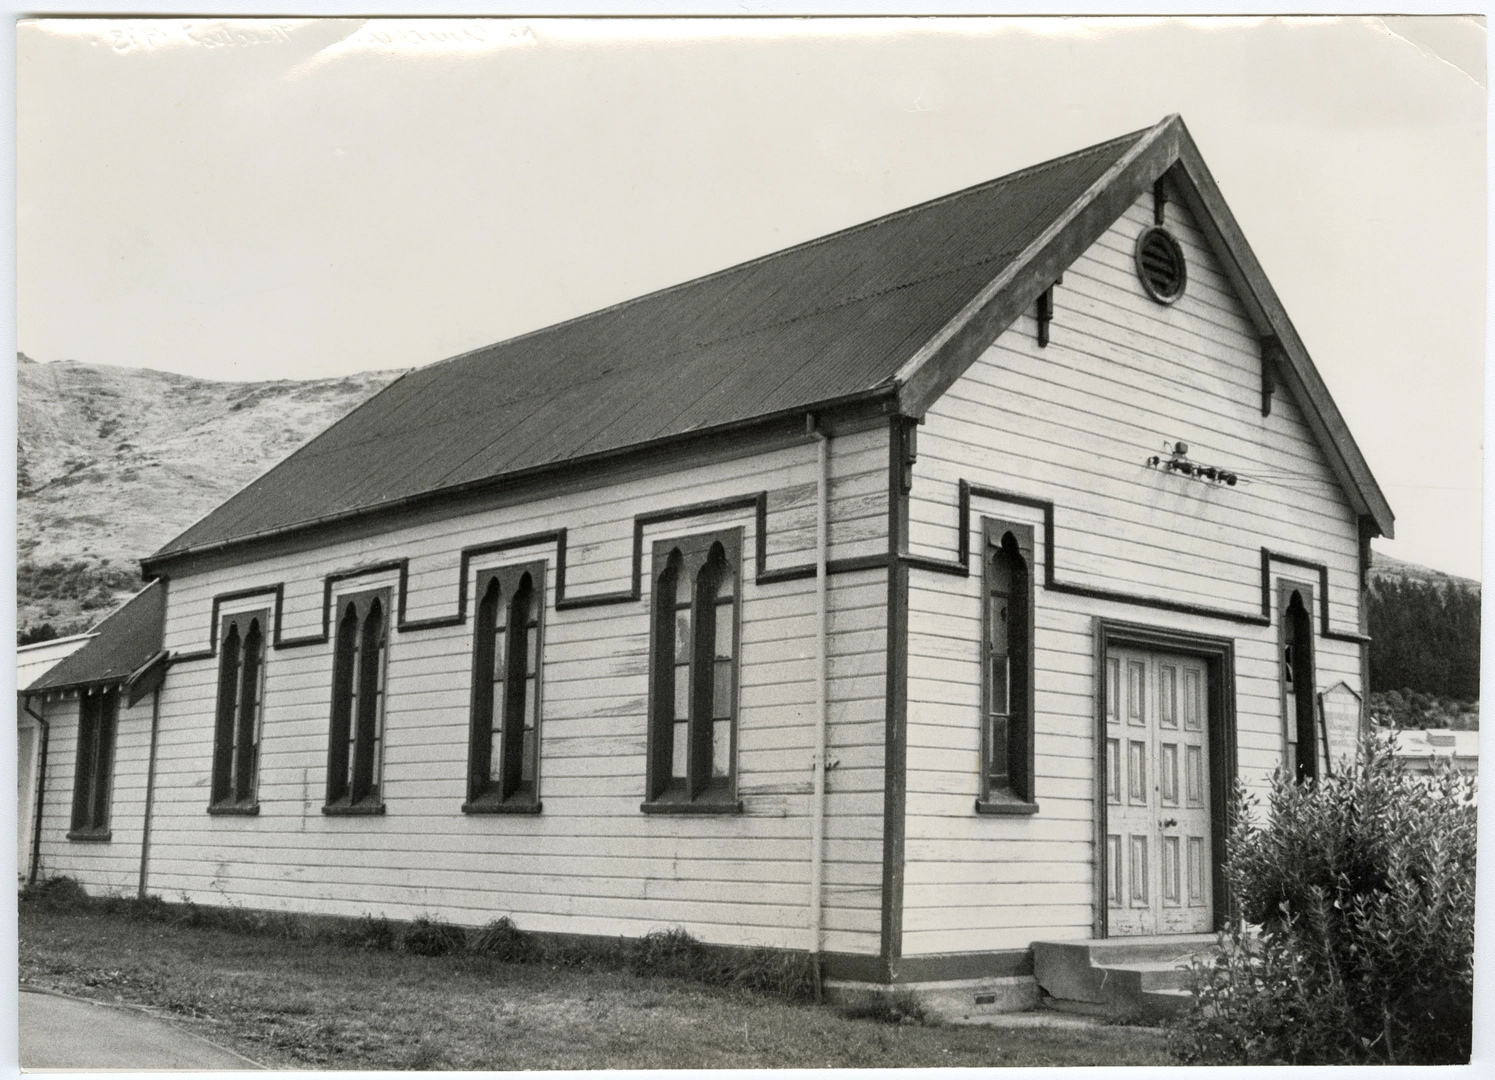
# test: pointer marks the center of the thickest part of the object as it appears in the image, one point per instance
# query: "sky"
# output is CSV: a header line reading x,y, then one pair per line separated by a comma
x,y
284,198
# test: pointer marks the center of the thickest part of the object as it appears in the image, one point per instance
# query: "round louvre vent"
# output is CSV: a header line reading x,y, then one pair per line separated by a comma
x,y
1160,265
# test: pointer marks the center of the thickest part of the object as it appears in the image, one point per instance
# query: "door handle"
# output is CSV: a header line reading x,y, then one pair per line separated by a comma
x,y
1168,824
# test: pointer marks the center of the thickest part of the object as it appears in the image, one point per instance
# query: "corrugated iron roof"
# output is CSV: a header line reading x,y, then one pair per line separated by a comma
x,y
820,322
121,644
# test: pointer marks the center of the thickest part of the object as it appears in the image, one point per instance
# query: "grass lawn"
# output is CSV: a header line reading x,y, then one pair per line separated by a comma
x,y
316,1004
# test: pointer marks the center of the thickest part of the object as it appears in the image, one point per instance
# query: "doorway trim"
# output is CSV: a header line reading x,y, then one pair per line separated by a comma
x,y
1218,655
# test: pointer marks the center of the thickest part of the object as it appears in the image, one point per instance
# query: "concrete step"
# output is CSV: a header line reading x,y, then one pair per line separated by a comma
x,y
1121,977
1157,975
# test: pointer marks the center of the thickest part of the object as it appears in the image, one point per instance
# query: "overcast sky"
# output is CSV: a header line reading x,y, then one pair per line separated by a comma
x,y
292,199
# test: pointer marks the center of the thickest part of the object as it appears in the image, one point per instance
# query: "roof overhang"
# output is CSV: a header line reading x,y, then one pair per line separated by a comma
x,y
147,677
754,434
1166,149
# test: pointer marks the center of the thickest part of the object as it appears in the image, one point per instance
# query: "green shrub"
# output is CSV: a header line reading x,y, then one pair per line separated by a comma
x,y
432,937
504,941
781,972
150,908
671,952
1362,887
56,894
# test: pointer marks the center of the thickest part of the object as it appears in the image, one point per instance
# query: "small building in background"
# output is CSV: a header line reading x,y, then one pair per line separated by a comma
x,y
91,727
1423,750
32,662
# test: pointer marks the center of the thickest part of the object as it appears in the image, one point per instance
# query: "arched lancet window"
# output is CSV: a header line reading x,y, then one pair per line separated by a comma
x,y
694,681
503,761
355,745
364,749
673,646
1007,729
228,704
716,652
1301,751
93,767
241,667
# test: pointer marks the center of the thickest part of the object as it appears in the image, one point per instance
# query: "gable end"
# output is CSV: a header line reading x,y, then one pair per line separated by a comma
x,y
1167,150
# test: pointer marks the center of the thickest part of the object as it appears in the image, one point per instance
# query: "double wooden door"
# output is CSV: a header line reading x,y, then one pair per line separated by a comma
x,y
1158,852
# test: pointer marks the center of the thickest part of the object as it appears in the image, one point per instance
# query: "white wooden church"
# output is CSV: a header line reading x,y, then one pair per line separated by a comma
x,y
911,596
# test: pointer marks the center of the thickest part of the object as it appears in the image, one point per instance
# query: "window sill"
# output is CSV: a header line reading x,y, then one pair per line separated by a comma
x,y
358,810
91,836
1006,807
234,809
510,807
700,806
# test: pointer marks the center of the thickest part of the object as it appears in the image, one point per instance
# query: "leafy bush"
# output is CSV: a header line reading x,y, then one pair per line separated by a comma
x,y
503,941
1362,887
35,634
784,973
56,894
671,952
432,937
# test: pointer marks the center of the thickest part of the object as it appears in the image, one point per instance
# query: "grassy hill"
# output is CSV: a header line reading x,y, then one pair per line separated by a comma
x,y
112,462
1383,568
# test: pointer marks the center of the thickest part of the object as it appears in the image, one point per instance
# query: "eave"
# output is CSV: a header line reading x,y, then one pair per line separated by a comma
x,y
745,436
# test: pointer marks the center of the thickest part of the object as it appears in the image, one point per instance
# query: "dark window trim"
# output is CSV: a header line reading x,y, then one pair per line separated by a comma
x,y
510,794
960,566
1305,722
1018,797
699,795
757,502
90,836
706,804
1218,654
350,710
235,785
93,764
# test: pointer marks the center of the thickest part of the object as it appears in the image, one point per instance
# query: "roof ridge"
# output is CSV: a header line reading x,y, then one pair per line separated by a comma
x,y
883,219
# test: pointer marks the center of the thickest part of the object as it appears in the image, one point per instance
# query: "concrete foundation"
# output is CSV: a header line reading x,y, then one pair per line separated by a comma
x,y
948,1000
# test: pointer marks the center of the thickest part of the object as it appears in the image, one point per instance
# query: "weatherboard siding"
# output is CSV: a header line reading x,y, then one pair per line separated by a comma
x,y
591,862
1073,423
102,866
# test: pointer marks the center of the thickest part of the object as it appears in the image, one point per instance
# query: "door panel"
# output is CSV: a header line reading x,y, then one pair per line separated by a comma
x,y
1158,818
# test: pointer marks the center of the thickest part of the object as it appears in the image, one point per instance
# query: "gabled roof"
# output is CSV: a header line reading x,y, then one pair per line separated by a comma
x,y
894,308
123,645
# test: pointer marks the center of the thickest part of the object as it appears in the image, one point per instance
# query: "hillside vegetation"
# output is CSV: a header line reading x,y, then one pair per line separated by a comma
x,y
1424,653
112,462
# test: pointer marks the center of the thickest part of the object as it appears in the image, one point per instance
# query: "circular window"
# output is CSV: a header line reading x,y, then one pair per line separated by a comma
x,y
1160,265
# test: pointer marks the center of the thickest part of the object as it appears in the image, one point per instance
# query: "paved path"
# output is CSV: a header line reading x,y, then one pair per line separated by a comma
x,y
69,1033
